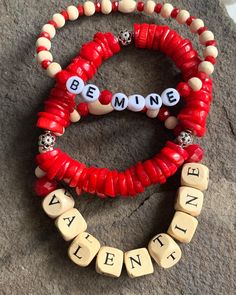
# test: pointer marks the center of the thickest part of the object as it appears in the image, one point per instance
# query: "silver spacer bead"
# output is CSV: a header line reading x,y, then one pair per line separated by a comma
x,y
47,141
185,138
125,37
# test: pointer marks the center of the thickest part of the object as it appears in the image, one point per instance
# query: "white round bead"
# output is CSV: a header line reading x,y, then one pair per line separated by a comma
x,y
152,114
195,84
42,41
75,85
210,51
89,8
153,101
53,69
75,116
182,16
119,101
196,25
90,93
149,7
59,20
206,67
166,10
48,28
170,97
127,6
44,55
206,36
136,103
171,122
39,172
106,6
73,12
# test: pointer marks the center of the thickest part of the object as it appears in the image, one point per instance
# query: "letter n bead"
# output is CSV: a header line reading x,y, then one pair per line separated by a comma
x,y
195,175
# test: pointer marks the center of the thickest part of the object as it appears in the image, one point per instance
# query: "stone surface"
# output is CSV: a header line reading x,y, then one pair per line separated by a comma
x,y
33,256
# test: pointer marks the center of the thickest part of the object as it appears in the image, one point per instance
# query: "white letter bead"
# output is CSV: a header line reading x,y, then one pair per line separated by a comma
x,y
90,93
153,102
183,227
170,97
195,175
127,6
138,263
75,85
109,261
189,200
70,224
83,249
57,202
164,250
136,103
119,101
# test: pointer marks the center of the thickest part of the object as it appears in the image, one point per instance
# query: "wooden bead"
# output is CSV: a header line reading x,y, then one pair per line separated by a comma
x,y
70,224
164,250
57,202
182,16
210,51
106,6
48,28
138,263
109,261
73,12
166,10
75,116
89,8
152,114
171,122
189,200
149,7
206,67
196,25
44,55
96,108
83,249
59,20
53,69
195,83
206,36
183,227
39,172
127,6
195,175
42,41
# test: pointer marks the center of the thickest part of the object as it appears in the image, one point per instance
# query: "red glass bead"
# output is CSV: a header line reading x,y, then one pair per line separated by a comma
x,y
43,186
45,64
189,20
115,6
80,9
195,153
201,30
140,6
45,35
211,59
163,114
183,89
105,97
158,7
83,110
64,13
98,7
52,22
41,48
211,42
175,12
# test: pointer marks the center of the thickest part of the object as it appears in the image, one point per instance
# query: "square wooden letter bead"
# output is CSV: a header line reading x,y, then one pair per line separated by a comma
x,y
189,200
195,175
83,249
57,202
183,227
70,224
164,250
110,261
138,263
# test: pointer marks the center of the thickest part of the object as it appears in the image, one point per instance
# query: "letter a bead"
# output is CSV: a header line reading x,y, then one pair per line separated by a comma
x,y
138,263
83,249
75,85
70,224
195,175
109,261
164,250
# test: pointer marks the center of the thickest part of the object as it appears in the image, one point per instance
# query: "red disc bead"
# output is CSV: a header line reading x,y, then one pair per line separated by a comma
x,y
190,20
43,186
98,7
201,30
41,48
64,13
211,42
45,35
80,9
163,114
158,8
45,64
211,59
140,6
175,12
115,6
52,22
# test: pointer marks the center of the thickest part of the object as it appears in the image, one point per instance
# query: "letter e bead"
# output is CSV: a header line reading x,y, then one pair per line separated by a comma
x,y
195,175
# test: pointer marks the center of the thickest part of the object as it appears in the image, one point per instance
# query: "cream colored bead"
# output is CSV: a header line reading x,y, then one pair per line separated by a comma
x,y
183,227
73,12
39,172
182,16
57,202
70,224
42,41
53,69
109,261
106,6
166,10
164,250
189,200
149,7
195,84
127,6
83,249
196,25
195,175
171,122
89,8
59,20
75,116
96,108
48,28
210,51
206,36
152,113
206,67
44,55
138,263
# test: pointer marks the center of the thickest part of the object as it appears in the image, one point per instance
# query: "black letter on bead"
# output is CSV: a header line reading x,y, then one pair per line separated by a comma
x,y
136,99
179,228
88,235
52,201
70,219
171,255
191,200
154,99
90,91
158,239
74,85
109,258
193,171
138,261
170,96
77,250
119,103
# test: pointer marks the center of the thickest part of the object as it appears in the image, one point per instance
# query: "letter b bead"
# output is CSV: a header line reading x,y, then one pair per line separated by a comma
x,y
75,85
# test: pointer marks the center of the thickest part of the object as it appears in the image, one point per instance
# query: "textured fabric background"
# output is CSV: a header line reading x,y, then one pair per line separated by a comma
x,y
33,257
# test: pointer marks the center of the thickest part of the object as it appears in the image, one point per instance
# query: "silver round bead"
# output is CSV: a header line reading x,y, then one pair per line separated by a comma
x,y
125,37
185,138
47,141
